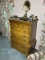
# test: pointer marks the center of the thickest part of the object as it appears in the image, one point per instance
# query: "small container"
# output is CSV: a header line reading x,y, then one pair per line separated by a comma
x,y
36,17
32,16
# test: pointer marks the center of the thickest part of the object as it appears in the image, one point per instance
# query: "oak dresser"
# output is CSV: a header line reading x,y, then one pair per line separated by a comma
x,y
22,33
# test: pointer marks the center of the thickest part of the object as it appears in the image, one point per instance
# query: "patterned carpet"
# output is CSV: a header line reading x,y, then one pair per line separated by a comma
x,y
7,53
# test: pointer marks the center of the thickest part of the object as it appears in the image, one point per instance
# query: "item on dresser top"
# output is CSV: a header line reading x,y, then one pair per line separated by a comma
x,y
26,8
25,19
33,17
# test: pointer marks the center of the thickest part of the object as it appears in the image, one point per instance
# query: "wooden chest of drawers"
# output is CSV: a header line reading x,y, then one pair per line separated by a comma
x,y
21,34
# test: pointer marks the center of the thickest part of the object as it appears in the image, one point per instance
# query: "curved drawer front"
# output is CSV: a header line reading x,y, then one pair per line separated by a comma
x,y
21,40
21,27
18,29
21,37
19,34
20,45
24,51
25,26
14,24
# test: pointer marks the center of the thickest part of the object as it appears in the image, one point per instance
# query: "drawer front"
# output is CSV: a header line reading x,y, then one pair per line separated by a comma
x,y
24,26
21,25
14,24
25,41
19,34
22,37
25,52
20,30
20,45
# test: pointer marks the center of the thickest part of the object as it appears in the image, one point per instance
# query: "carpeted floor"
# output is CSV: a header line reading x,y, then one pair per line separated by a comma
x,y
8,53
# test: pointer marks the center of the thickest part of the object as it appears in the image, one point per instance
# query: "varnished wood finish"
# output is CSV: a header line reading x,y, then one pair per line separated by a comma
x,y
21,35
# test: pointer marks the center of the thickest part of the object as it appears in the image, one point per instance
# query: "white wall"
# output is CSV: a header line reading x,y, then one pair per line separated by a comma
x,y
37,9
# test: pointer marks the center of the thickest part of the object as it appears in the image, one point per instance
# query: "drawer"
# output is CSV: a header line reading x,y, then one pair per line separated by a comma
x,y
25,41
24,26
24,29
25,52
20,35
15,24
20,45
20,25
17,29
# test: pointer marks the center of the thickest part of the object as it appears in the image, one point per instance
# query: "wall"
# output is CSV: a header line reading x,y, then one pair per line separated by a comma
x,y
37,8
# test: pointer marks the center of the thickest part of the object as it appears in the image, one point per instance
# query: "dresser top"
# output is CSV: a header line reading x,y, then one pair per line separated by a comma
x,y
22,21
